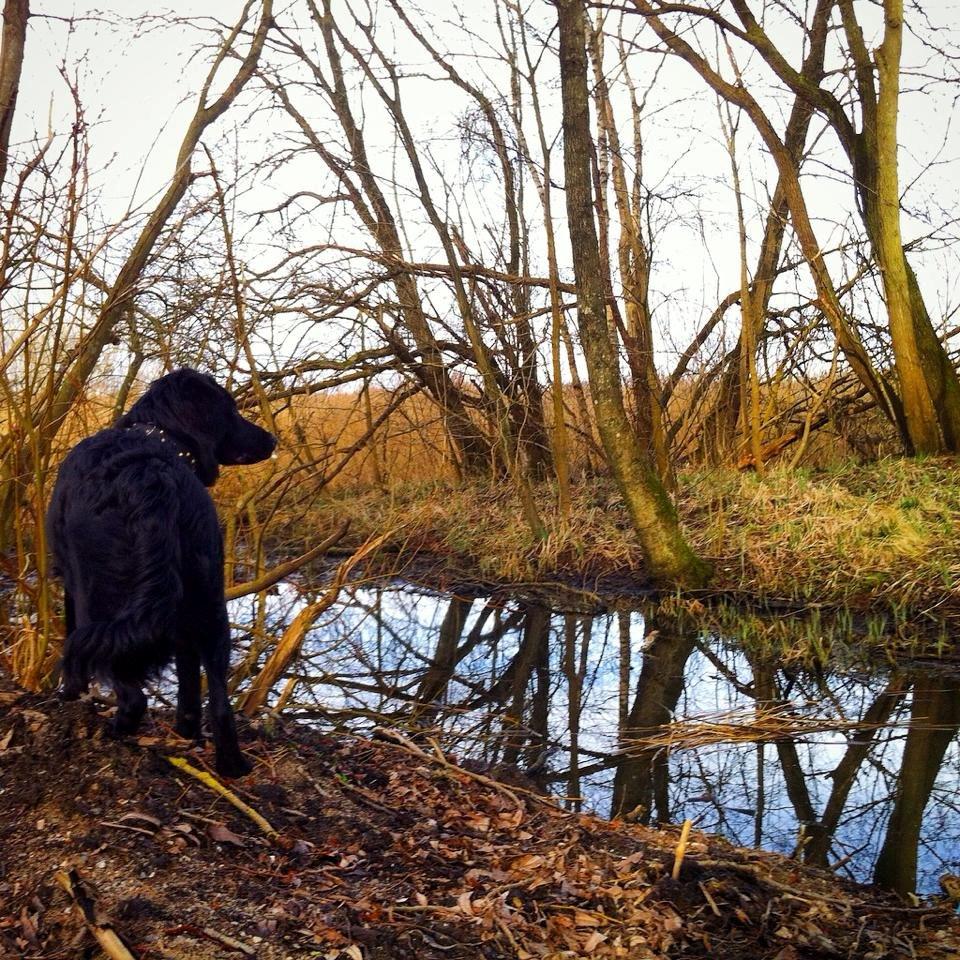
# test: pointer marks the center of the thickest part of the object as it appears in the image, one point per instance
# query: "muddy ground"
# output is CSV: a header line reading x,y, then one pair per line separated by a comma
x,y
383,849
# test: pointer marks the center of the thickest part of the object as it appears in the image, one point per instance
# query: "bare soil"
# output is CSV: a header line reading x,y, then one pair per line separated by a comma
x,y
384,850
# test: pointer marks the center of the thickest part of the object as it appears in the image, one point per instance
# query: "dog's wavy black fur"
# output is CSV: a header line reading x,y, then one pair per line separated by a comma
x,y
135,536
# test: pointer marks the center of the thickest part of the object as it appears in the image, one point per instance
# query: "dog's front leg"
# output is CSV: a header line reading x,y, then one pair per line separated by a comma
x,y
215,653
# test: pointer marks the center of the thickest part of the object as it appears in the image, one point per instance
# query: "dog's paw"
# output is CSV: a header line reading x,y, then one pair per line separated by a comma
x,y
72,691
189,729
234,765
119,731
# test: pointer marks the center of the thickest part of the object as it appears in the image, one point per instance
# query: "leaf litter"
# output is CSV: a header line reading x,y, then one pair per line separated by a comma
x,y
384,849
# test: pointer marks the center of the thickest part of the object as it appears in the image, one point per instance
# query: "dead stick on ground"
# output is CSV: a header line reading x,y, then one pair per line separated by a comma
x,y
438,757
109,940
681,848
207,780
230,942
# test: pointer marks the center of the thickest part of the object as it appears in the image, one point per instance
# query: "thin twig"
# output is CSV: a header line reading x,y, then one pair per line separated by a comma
x,y
681,848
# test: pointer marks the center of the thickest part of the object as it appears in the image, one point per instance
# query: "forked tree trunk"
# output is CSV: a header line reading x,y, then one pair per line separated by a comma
x,y
930,414
669,557
827,298
928,382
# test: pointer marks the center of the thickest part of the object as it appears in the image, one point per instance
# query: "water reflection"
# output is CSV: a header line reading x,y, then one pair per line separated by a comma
x,y
635,715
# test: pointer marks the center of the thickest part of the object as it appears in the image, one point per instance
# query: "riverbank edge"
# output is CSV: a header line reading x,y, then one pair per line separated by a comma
x,y
877,541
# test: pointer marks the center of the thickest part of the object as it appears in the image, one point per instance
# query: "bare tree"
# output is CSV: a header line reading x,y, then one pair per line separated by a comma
x,y
654,517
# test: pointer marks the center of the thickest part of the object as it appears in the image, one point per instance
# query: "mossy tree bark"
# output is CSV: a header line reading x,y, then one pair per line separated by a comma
x,y
928,380
667,553
634,255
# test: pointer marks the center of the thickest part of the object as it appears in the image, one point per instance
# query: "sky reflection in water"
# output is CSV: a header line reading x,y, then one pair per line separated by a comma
x,y
467,670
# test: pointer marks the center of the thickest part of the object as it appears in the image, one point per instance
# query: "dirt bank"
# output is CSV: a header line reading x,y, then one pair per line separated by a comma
x,y
381,852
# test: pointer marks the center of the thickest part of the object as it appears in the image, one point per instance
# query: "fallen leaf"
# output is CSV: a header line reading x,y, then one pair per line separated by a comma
x,y
593,941
584,919
28,926
137,817
220,833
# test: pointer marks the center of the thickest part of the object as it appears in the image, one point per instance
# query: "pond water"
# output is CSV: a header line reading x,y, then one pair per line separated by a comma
x,y
639,714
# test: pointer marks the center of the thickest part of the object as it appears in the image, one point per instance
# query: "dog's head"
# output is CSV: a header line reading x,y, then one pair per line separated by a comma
x,y
201,415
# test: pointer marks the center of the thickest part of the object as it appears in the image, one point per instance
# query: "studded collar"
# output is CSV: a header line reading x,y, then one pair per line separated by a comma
x,y
152,430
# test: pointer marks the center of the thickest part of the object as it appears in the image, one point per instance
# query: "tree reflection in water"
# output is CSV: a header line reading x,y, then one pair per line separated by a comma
x,y
642,716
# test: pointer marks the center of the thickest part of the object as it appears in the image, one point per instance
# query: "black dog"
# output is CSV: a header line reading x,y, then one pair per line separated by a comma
x,y
135,536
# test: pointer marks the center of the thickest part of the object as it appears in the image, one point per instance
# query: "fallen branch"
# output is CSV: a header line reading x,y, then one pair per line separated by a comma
x,y
209,781
284,570
215,935
110,941
288,646
227,941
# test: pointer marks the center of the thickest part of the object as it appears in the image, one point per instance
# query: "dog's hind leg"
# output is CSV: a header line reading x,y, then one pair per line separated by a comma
x,y
75,681
189,706
131,706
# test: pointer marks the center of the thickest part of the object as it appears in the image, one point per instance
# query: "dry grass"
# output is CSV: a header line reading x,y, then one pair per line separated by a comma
x,y
882,532
875,536
742,725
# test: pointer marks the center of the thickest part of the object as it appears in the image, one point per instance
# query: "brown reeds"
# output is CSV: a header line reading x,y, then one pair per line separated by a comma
x,y
746,725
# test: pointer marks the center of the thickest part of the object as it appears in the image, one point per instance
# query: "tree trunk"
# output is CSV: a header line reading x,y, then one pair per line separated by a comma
x,y
374,211
726,413
668,555
915,390
446,656
827,298
640,778
15,16
634,261
930,414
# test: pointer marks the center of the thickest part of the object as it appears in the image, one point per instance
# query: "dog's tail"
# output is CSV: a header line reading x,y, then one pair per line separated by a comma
x,y
136,642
